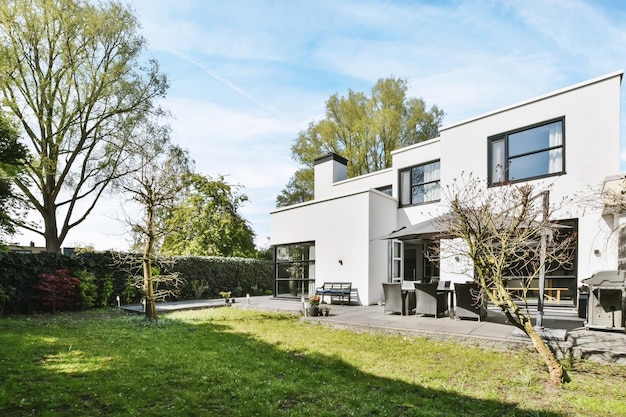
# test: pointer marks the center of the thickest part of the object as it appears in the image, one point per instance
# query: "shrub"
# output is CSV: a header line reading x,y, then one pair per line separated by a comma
x,y
111,273
239,275
21,271
87,290
5,295
199,288
131,293
106,290
58,290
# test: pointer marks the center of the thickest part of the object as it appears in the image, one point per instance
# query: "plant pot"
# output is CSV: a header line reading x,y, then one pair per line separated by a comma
x,y
326,313
314,311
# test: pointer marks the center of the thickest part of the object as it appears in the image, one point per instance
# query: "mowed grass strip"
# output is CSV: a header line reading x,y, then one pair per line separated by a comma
x,y
230,362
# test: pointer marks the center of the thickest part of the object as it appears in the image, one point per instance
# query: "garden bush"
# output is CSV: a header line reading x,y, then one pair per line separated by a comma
x,y
103,276
57,291
215,274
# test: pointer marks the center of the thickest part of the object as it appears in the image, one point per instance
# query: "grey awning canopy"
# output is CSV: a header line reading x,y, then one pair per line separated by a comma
x,y
423,229
434,227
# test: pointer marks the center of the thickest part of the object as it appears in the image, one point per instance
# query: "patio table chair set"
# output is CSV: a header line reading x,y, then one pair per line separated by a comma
x,y
435,299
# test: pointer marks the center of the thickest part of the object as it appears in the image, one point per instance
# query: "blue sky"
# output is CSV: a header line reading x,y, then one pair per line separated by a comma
x,y
248,75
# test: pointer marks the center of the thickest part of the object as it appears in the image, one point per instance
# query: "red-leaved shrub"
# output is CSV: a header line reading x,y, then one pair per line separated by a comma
x,y
57,291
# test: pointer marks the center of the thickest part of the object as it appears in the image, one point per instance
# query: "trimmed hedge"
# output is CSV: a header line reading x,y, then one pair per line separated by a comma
x,y
241,276
204,277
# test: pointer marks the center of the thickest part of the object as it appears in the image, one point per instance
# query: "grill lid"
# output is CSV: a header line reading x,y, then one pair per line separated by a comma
x,y
607,279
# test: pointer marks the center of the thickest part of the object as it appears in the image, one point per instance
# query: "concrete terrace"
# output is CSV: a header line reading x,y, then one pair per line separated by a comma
x,y
564,331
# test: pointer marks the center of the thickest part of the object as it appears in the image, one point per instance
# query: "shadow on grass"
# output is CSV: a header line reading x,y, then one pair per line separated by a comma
x,y
125,366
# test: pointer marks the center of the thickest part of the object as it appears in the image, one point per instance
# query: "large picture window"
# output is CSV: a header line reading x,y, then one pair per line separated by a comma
x,y
560,277
529,153
420,184
294,266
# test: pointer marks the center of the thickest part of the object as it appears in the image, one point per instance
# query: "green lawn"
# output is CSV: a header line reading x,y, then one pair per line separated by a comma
x,y
227,362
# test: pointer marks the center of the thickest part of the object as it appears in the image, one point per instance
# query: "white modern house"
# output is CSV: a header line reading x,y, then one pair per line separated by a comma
x,y
568,139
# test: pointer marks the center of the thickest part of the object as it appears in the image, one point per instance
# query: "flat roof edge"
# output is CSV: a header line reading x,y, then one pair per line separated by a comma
x,y
554,93
337,197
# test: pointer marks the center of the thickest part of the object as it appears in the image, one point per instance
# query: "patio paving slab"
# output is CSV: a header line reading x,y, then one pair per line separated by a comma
x,y
578,342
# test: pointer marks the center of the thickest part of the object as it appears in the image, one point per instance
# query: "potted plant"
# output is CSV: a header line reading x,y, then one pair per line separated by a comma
x,y
314,303
325,310
226,295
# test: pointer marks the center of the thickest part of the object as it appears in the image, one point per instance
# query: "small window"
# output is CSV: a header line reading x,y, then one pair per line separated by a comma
x,y
420,184
527,153
386,189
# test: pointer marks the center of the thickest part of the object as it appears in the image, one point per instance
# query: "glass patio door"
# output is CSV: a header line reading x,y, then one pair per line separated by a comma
x,y
396,261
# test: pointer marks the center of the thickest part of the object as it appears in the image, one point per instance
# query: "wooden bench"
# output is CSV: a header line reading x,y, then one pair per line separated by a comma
x,y
335,289
549,292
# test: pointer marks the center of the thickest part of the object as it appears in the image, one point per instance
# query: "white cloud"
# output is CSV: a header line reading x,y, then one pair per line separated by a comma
x,y
247,76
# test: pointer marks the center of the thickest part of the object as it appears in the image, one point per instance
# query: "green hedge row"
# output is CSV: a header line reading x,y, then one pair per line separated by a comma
x,y
108,275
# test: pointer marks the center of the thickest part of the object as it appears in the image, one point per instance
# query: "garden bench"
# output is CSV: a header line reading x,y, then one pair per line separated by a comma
x,y
335,289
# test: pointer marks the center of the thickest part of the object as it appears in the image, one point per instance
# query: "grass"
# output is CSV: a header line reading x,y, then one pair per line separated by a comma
x,y
230,362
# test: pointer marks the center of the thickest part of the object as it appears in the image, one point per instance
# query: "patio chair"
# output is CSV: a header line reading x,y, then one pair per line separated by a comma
x,y
470,302
429,301
393,297
443,285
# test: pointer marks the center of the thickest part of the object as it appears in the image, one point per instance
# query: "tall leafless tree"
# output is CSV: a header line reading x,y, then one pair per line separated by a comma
x,y
158,169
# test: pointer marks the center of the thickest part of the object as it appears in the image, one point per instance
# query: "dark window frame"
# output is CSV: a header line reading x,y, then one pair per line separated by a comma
x,y
564,277
387,189
283,276
412,186
507,157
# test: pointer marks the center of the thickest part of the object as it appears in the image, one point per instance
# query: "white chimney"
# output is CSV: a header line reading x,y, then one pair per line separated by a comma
x,y
329,169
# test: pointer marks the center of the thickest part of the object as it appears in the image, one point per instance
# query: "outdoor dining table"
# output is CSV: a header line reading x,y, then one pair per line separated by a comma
x,y
408,290
406,298
450,293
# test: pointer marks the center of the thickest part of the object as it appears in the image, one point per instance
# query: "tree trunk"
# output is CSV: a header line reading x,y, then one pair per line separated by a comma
x,y
557,375
521,321
51,234
151,312
148,284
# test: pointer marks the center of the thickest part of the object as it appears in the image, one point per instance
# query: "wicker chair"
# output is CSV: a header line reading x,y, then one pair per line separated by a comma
x,y
429,301
470,302
393,297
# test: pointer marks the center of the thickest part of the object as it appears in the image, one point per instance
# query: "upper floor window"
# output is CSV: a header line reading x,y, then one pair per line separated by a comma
x,y
387,189
420,184
527,153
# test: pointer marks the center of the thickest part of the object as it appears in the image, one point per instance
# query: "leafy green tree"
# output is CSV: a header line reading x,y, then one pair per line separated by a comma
x,y
298,189
365,130
12,159
72,75
206,222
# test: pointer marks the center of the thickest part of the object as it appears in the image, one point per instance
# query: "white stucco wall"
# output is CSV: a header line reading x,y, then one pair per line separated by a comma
x,y
346,215
592,135
343,229
592,153
381,223
354,185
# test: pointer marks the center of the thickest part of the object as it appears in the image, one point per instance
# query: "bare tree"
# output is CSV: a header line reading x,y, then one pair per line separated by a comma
x,y
612,196
159,169
507,233
163,285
